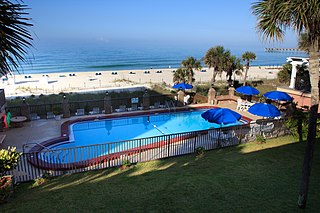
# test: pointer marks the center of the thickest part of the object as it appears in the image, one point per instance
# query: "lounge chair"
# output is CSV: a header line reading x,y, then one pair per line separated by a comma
x,y
50,115
79,112
2,137
134,107
156,105
34,116
186,100
94,111
122,108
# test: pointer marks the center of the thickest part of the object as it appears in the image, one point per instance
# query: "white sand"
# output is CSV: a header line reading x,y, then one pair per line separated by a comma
x,y
89,81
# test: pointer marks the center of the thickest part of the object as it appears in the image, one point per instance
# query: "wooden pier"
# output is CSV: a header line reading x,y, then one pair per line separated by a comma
x,y
273,49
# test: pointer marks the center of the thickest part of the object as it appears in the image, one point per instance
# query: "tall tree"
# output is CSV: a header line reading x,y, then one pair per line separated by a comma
x,y
189,64
181,75
233,66
274,16
215,58
303,42
247,57
15,37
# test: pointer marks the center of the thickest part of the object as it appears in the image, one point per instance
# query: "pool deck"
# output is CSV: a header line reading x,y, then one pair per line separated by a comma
x,y
42,130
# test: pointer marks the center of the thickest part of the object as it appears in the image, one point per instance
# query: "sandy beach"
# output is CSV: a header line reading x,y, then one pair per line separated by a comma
x,y
48,83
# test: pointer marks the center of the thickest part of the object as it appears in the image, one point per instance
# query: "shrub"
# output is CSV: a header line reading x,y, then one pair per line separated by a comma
x,y
57,110
285,73
126,163
260,139
297,124
8,159
200,151
39,181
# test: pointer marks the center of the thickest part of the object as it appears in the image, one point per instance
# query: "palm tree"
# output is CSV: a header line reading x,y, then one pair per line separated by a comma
x,y
14,36
180,76
189,64
247,57
215,58
274,16
303,42
233,66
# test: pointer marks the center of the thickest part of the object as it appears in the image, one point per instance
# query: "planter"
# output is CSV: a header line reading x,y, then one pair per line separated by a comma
x,y
6,188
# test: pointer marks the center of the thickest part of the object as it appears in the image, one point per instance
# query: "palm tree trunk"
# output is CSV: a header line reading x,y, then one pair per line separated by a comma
x,y
245,75
214,74
307,161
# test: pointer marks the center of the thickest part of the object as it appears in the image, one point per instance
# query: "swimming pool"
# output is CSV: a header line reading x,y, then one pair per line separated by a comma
x,y
105,141
129,128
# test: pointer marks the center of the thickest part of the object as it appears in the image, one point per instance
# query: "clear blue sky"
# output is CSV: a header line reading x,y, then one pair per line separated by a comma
x,y
176,22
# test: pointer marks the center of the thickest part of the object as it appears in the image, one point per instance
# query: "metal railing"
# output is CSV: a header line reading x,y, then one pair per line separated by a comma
x,y
100,156
88,105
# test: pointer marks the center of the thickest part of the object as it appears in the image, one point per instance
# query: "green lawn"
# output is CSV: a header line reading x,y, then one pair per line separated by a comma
x,y
246,178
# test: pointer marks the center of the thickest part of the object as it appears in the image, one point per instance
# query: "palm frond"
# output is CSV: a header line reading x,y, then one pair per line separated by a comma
x,y
15,37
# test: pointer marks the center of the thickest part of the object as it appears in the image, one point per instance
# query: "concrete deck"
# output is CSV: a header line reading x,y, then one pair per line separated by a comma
x,y
42,130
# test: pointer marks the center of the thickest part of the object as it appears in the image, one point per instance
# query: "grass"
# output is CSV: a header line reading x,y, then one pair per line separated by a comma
x,y
247,178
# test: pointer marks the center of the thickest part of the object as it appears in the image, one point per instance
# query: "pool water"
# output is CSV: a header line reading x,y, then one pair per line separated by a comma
x,y
120,129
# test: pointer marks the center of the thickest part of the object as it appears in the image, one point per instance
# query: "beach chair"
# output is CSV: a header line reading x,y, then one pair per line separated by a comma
x,y
34,116
134,107
122,108
79,112
94,111
2,137
50,115
156,105
186,100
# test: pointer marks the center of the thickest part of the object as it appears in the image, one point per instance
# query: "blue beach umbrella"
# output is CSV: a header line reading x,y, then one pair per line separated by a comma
x,y
221,116
183,86
278,96
264,109
247,90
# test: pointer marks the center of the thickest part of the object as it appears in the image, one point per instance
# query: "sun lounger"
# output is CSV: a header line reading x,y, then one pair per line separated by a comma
x,y
34,116
156,105
122,108
186,100
79,112
134,107
50,115
94,111
2,137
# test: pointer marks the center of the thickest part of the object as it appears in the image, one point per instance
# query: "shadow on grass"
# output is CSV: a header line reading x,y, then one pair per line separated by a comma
x,y
250,178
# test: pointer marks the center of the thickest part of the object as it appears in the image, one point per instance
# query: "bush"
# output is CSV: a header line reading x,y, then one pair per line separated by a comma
x,y
57,110
39,181
8,159
285,73
260,139
126,164
200,151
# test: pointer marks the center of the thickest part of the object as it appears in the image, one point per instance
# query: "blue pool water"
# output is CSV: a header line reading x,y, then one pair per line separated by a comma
x,y
112,130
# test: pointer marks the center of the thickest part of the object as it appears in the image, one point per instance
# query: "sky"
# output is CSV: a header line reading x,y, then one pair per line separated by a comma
x,y
150,22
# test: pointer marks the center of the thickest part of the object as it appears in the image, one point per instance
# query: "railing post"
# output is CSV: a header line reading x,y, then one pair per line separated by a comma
x,y
108,155
169,137
139,150
195,142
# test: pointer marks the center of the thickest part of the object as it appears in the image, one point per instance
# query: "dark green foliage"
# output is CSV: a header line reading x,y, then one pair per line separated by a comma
x,y
285,73
200,151
260,139
15,38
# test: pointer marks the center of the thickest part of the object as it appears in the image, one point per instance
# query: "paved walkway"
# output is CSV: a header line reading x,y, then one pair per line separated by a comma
x,y
41,130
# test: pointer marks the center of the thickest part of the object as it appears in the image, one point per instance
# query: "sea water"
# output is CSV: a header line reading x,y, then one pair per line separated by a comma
x,y
72,58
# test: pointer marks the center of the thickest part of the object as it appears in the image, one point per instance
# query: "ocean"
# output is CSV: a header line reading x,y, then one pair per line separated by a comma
x,y
81,58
